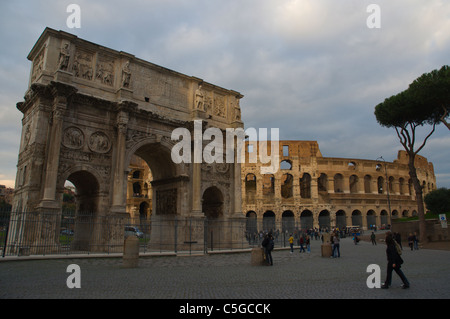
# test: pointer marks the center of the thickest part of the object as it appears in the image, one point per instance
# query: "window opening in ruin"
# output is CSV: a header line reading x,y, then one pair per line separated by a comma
x,y
338,183
287,186
401,185
391,184
305,186
250,187
286,165
322,183
285,150
268,184
380,184
353,184
367,184
137,174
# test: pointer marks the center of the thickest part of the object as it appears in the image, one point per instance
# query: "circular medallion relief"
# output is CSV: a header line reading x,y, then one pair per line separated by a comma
x,y
99,142
73,138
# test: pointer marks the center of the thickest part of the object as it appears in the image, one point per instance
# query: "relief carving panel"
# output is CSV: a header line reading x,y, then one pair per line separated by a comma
x,y
73,138
38,66
83,65
105,71
166,202
99,142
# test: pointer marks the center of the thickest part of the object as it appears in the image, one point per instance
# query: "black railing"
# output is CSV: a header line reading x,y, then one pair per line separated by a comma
x,y
71,233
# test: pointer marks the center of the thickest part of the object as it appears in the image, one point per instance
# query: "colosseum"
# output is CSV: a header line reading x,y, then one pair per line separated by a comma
x,y
312,191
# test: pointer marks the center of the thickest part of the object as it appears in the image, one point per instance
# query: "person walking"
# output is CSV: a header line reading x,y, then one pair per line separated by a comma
x,y
268,245
411,241
373,238
291,243
336,246
394,263
416,241
302,241
308,244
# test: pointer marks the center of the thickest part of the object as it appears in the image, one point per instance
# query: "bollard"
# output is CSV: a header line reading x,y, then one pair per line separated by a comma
x,y
131,252
326,246
326,250
258,257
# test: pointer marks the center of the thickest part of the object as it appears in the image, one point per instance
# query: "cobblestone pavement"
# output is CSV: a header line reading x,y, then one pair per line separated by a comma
x,y
231,276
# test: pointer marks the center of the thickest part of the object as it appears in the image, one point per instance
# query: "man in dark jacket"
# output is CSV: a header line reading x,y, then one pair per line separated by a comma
x,y
394,263
268,244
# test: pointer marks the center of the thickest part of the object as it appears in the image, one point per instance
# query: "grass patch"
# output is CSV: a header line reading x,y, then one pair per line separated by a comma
x,y
427,216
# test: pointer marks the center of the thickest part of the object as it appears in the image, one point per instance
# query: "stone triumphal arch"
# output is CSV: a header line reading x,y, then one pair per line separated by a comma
x,y
87,111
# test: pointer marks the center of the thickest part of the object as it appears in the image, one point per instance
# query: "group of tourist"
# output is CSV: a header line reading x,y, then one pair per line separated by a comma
x,y
303,240
413,240
393,251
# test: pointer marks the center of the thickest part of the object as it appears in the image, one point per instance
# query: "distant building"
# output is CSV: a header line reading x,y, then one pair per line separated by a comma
x,y
6,194
139,194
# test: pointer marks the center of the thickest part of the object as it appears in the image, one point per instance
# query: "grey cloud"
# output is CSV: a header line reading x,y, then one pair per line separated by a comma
x,y
311,68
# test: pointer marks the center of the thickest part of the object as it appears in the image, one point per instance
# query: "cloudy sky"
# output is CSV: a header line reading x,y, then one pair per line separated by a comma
x,y
312,68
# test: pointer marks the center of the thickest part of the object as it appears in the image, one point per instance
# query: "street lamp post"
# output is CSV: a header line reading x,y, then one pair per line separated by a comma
x,y
387,187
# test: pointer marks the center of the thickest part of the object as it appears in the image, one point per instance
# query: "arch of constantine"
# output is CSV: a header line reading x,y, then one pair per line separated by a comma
x,y
88,112
312,191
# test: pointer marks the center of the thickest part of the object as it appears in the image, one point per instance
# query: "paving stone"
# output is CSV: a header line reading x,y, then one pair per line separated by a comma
x,y
231,276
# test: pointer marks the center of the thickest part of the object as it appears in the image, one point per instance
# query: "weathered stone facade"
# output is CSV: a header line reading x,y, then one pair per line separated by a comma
x,y
310,190
88,110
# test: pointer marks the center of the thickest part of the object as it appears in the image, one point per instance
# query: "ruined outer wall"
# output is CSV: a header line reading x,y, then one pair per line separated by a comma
x,y
354,189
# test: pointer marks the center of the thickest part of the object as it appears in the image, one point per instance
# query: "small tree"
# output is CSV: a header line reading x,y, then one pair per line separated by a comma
x,y
438,201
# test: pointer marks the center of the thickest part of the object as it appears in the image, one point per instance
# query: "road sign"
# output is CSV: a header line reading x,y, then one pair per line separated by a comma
x,y
443,219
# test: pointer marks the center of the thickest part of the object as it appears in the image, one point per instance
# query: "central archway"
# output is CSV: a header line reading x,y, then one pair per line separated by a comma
x,y
166,184
165,187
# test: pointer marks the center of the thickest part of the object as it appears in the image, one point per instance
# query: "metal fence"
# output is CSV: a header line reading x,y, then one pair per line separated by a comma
x,y
69,233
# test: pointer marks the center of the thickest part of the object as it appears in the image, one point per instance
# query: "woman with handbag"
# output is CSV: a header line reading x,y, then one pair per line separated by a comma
x,y
394,263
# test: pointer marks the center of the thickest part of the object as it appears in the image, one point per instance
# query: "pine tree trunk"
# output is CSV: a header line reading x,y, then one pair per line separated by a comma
x,y
419,198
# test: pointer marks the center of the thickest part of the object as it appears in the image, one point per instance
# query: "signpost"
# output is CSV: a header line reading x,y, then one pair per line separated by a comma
x,y
443,219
